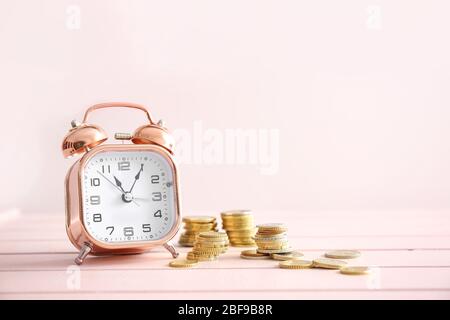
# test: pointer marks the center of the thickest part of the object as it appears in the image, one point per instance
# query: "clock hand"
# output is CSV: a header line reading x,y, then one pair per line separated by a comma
x,y
132,200
119,184
136,178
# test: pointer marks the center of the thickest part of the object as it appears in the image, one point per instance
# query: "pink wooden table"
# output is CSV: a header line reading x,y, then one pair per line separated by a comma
x,y
410,253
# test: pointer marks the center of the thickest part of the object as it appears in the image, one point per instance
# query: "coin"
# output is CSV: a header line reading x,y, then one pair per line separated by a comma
x,y
273,237
282,250
296,264
271,227
355,270
212,244
254,255
239,212
212,251
343,254
212,234
294,255
182,263
326,263
191,256
193,225
239,226
200,228
205,258
199,219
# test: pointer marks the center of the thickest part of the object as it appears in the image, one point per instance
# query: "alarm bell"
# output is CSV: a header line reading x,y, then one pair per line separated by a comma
x,y
81,138
154,134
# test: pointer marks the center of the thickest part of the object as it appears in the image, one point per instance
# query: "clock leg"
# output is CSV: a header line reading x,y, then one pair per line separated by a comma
x,y
171,249
85,249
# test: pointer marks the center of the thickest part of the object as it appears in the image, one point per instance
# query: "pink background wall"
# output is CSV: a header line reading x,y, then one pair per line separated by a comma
x,y
358,91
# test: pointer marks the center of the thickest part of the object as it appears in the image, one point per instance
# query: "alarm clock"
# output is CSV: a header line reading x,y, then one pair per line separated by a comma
x,y
121,198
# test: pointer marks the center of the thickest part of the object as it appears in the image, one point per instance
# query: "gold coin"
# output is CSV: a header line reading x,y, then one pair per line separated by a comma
x,y
282,250
275,242
294,255
239,229
213,234
271,226
182,263
343,254
271,237
201,258
198,219
243,232
191,256
355,270
296,264
242,240
199,228
214,244
189,234
326,263
212,240
242,244
240,212
254,255
232,218
208,250
187,238
186,244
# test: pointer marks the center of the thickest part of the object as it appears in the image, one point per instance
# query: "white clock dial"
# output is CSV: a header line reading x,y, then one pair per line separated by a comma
x,y
128,196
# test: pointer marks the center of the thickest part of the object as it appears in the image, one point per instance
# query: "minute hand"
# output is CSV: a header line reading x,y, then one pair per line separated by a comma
x,y
136,178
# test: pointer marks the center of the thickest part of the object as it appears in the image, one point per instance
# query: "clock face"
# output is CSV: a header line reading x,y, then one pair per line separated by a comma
x,y
128,196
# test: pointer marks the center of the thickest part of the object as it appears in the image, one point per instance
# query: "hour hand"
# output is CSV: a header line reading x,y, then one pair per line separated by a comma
x,y
119,184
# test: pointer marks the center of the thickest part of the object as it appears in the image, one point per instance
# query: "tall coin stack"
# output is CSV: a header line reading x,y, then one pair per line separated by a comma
x,y
272,238
193,225
208,246
239,226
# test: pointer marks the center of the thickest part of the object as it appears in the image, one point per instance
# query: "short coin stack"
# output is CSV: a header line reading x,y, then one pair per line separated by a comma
x,y
333,260
239,226
271,238
208,246
193,225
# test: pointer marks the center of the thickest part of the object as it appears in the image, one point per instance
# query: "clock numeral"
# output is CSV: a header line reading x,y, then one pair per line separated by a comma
x,y
158,214
106,168
156,196
112,229
95,200
123,166
95,182
146,227
128,231
97,217
155,178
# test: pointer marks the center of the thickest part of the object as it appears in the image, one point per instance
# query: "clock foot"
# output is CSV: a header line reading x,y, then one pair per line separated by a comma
x,y
171,249
85,249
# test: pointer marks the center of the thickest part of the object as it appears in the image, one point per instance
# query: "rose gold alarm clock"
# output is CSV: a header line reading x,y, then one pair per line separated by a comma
x,y
121,198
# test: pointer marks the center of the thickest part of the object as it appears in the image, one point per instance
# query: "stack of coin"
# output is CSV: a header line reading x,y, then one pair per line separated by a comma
x,y
208,246
193,225
239,226
271,238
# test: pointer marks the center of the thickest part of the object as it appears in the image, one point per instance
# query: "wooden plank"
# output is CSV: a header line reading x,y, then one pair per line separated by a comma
x,y
269,280
240,295
231,260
